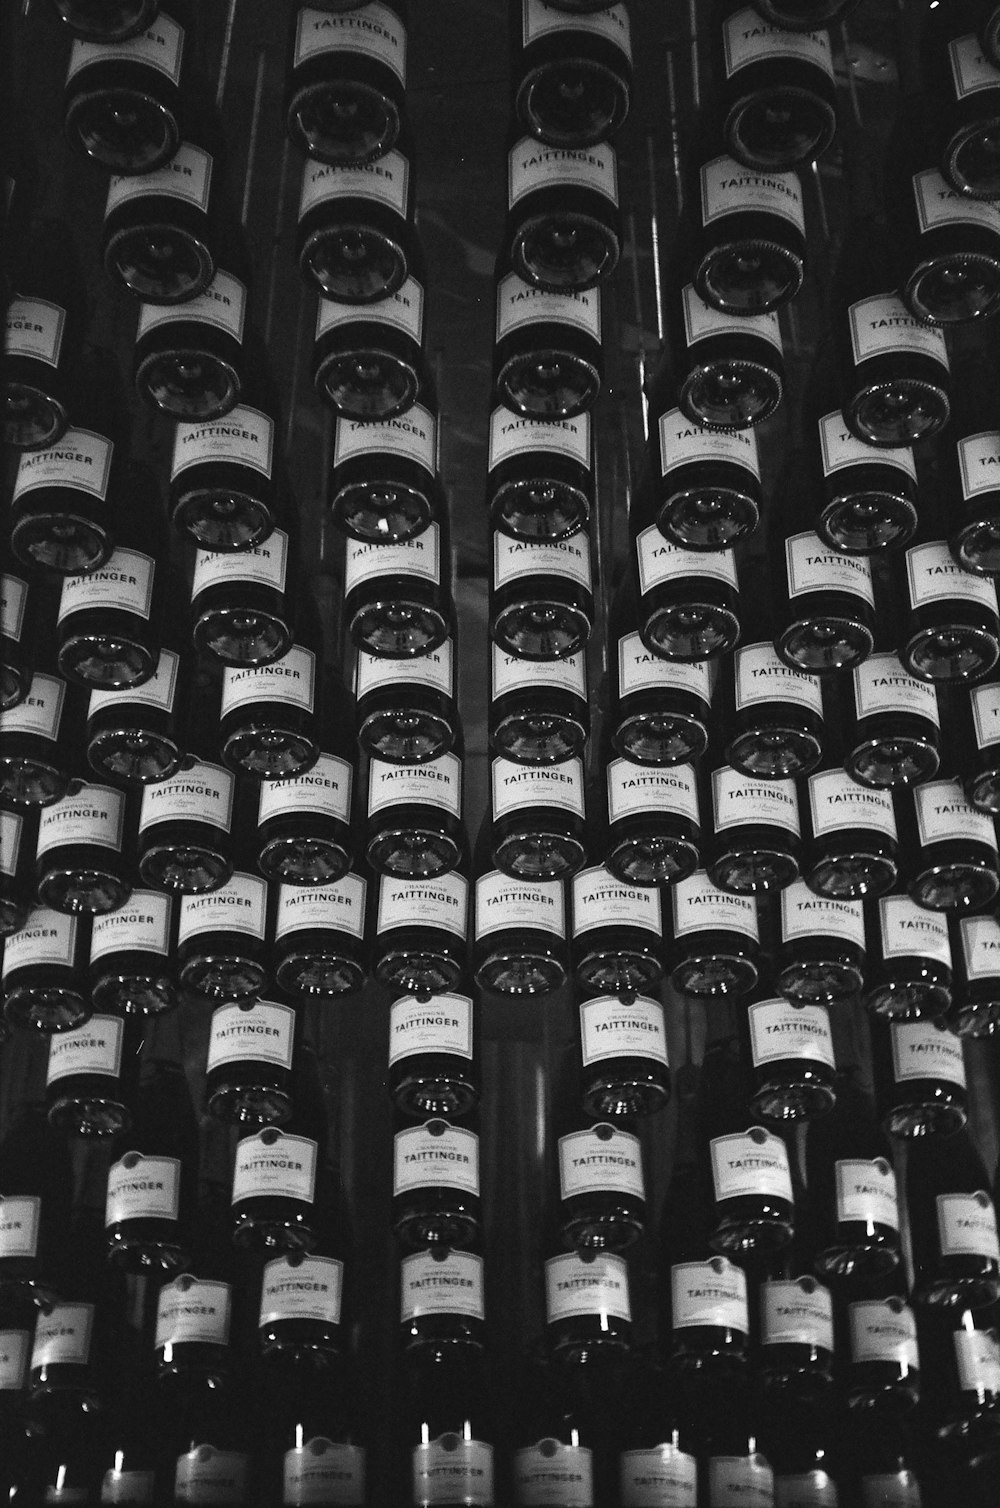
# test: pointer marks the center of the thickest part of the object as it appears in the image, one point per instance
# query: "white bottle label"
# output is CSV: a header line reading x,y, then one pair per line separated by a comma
x,y
612,1028
142,925
245,437
47,937
924,1050
601,900
740,799
511,673
575,1287
713,1293
741,1479
203,793
40,712
451,1470
435,1153
685,444
410,437
124,584
532,166
553,1474
34,328
746,40
698,906
402,310
750,1164
386,181
970,71
62,1336
275,1165
977,1355
309,1289
939,204
702,322
967,1225
95,815
377,33
512,435
727,188
519,787
429,903
663,1477
760,676
980,946
442,1024
143,1188
944,815
883,326
325,790
797,1312
128,1487
513,559
640,670
897,1489
600,1160
81,460
985,703
323,1471
779,1029
837,803
266,565
660,562
93,1048
19,1218
866,1191
187,176
503,903
160,47
193,1311
238,906
908,929
15,1351
434,670
978,456
520,304
541,19
811,566
420,557
11,833
206,1476
339,907
635,789
805,914
438,783
13,606
261,1034
223,305
883,1330
881,685
933,576
158,691
441,1281
841,449
291,680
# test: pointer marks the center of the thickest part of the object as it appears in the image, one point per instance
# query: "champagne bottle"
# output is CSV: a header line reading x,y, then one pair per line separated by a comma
x,y
319,943
384,486
36,1187
346,82
241,605
562,1430
433,1054
397,597
137,734
851,844
909,960
920,1079
541,598
368,360
441,1299
868,492
796,1342
707,481
519,940
563,231
617,933
194,1310
953,1224
316,1454
660,707
18,628
45,971
972,719
356,239
689,600
951,631
304,824
715,939
420,928
435,1185
81,853
17,869
301,1299
730,1461
221,948
272,715
729,369
961,1384
208,1441
748,231
602,1193
949,849
777,91
791,1050
185,829
188,360
746,1166
963,86
657,1467
547,357
448,1429
275,1191
654,823
415,827
538,819
975,1010
771,716
92,1077
825,606
406,710
883,1366
129,1441
588,1309
820,957
892,727
540,486
223,487
710,1320
538,711
756,836
623,1051
571,76
41,337
40,753
131,956
249,1065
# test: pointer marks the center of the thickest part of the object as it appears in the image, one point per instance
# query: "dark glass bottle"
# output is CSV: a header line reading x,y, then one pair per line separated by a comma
x,y
820,956
883,1361
122,97
397,597
137,734
433,1057
383,483
64,1377
715,940
909,960
961,1392
707,481
110,621
732,371
893,727
356,240
303,824
420,930
965,90
92,1077
654,822
852,1218
414,814
223,489
966,465
241,606
40,754
689,600
540,486
851,842
952,1224
221,940
249,1064
920,1080
36,1189
435,1185
208,1440
188,358
519,941
949,628
771,716
45,971
541,598
159,233
128,1449
441,1298
776,90
756,837
657,1467
131,956
868,493
975,1010
709,1319
315,1453
40,338
825,606
588,1310
731,1464
152,1182
185,828
972,720
17,868
194,1310
275,1203
538,711
949,849
406,710
602,1193
301,1299
446,1429
571,77
318,943
623,1053
345,84
368,361
749,237
791,1050
547,359
82,856
660,707
796,1344
538,819
107,20
271,716
563,230
617,933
